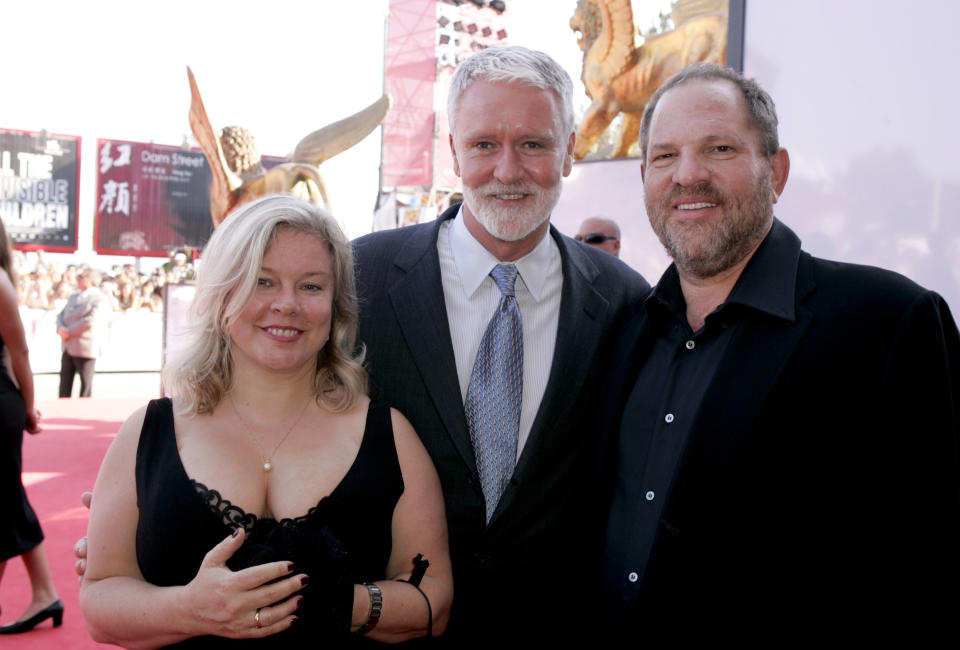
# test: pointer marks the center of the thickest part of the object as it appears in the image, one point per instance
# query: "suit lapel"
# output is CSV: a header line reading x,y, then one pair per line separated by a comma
x,y
417,299
633,347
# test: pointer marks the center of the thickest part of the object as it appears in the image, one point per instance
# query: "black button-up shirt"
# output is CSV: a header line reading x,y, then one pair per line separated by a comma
x,y
670,387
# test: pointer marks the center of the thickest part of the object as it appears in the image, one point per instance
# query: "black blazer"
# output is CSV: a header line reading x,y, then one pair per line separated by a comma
x,y
820,483
506,574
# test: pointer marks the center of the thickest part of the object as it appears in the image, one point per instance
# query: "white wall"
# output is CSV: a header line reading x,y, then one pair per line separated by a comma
x,y
133,341
867,97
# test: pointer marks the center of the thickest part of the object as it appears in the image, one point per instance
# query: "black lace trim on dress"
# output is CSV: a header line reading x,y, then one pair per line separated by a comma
x,y
234,516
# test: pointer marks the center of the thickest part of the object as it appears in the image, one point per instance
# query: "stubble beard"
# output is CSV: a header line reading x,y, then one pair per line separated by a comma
x,y
704,249
508,223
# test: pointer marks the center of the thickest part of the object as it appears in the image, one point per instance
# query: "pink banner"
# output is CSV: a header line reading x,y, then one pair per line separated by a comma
x,y
408,132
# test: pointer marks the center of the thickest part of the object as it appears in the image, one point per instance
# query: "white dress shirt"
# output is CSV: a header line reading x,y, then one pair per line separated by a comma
x,y
472,297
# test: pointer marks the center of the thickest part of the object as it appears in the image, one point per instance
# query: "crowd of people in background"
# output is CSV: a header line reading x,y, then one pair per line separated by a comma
x,y
48,286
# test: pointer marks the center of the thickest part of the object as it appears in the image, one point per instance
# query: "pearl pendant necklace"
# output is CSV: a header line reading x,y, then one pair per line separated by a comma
x,y
267,462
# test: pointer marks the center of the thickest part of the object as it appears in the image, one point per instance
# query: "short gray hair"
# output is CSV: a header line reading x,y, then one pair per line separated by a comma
x,y
513,64
761,111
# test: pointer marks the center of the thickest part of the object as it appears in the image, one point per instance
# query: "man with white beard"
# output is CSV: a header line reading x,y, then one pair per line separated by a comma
x,y
438,327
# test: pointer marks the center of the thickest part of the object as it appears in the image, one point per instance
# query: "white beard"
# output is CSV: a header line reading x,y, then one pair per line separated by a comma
x,y
507,223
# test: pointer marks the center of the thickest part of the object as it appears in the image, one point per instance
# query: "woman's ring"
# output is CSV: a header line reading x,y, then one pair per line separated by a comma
x,y
256,619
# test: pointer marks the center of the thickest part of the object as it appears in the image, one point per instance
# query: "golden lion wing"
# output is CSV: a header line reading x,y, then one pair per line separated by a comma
x,y
617,19
684,10
224,180
335,138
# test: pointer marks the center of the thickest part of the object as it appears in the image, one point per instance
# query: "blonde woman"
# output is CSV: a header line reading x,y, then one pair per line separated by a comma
x,y
269,499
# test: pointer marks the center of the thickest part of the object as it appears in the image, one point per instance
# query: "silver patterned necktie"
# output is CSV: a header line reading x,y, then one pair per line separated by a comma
x,y
495,391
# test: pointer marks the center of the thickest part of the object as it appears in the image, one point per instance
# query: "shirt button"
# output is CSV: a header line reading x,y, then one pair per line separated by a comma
x,y
691,345
632,576
668,418
649,495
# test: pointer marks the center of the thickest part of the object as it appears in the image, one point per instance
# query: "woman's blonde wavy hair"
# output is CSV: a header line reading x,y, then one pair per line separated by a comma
x,y
202,373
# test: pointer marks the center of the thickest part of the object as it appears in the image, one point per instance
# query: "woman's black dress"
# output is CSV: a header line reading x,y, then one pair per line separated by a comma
x,y
21,530
343,540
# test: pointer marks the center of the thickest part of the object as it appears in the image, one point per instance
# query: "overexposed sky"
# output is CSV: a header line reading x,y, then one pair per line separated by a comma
x,y
117,70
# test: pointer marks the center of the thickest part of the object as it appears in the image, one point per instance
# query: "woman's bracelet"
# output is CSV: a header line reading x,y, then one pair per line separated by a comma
x,y
376,606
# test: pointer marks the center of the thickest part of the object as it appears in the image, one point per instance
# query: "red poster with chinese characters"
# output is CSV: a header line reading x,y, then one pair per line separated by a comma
x,y
151,199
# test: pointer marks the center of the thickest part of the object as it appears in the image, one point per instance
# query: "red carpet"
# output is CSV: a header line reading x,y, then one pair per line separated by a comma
x,y
59,464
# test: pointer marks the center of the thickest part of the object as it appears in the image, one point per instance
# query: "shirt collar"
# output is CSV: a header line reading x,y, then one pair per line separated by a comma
x,y
768,282
474,262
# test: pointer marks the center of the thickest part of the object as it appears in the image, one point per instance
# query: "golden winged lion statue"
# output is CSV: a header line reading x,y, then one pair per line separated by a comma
x,y
239,175
622,69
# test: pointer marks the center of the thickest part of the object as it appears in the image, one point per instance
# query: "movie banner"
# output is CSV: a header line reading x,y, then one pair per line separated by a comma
x,y
39,180
151,199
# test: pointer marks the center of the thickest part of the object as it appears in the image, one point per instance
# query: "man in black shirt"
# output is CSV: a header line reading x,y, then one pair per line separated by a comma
x,y
784,429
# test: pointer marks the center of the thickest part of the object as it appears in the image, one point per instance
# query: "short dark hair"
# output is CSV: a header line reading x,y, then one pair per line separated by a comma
x,y
761,111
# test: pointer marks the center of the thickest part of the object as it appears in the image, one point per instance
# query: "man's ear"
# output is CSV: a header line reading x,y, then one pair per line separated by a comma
x,y
779,170
568,155
453,152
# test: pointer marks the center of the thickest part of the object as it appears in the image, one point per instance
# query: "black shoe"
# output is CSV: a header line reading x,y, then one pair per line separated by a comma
x,y
54,611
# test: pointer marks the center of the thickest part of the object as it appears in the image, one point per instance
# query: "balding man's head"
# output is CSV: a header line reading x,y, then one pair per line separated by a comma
x,y
601,233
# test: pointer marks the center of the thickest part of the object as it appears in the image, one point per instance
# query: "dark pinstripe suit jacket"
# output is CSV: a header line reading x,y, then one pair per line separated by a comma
x,y
528,562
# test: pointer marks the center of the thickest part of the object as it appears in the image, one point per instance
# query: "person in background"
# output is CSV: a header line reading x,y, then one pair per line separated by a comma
x,y
35,293
151,298
80,326
61,294
179,267
20,534
128,298
601,233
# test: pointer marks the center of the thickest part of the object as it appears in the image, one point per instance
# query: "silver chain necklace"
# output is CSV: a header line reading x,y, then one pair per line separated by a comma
x,y
267,462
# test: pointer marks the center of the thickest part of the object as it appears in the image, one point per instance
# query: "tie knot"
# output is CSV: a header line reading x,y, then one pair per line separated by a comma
x,y
505,275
